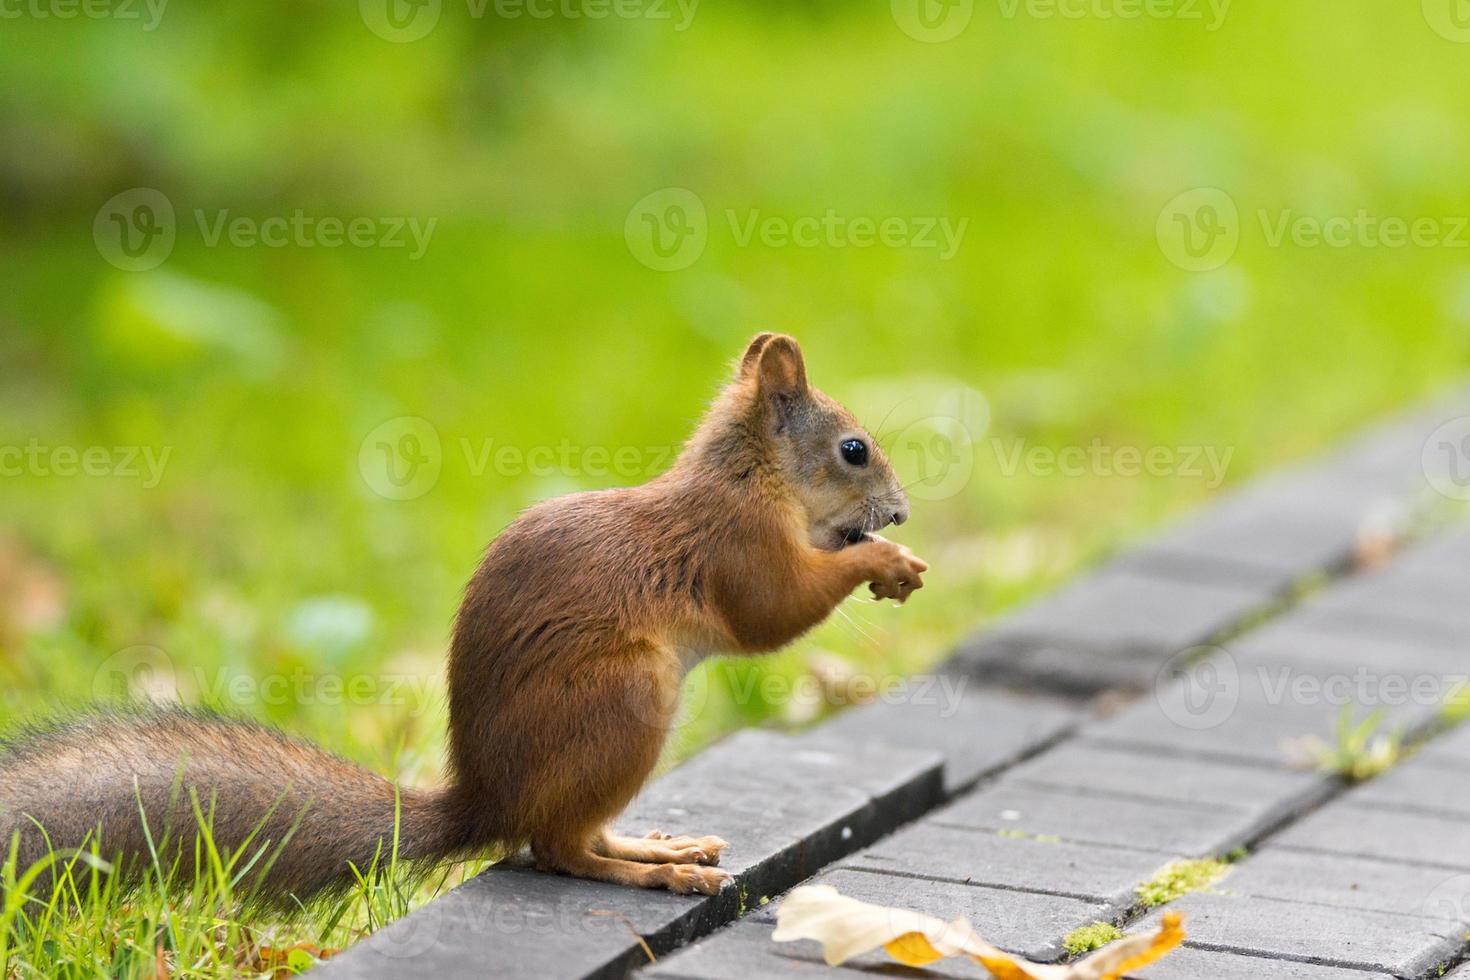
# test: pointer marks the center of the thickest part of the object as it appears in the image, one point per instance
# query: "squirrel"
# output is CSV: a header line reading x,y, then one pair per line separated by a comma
x,y
567,655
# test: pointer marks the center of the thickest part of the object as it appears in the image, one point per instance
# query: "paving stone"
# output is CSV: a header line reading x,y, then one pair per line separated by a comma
x,y
1419,785
1067,669
1399,595
1025,923
1449,751
802,800
1393,449
1390,835
1220,716
1304,636
1105,769
1444,550
984,857
977,732
1346,882
1110,628
1198,964
1117,608
1351,619
745,951
787,805
1268,535
1191,830
1401,945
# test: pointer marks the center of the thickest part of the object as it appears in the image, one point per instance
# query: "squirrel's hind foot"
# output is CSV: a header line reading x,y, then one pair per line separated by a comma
x,y
660,848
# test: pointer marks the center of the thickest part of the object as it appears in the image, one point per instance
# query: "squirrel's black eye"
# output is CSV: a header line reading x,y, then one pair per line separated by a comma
x,y
854,451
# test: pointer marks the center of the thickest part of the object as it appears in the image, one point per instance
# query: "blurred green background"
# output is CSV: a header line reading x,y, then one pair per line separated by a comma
x,y
270,551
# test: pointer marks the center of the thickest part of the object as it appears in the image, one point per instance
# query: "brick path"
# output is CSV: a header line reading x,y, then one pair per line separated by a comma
x,y
1031,815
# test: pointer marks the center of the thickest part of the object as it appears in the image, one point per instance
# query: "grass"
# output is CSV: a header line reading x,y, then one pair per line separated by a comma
x,y
1360,750
68,915
255,566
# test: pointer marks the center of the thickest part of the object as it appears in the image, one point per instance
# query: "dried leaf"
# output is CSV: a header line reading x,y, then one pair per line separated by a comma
x,y
847,928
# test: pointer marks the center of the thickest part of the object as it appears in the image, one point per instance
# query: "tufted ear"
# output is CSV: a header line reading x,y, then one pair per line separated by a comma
x,y
782,371
752,354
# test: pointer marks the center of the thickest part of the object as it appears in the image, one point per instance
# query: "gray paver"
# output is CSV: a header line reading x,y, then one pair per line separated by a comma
x,y
1418,785
797,801
982,857
1267,535
745,951
1305,637
1451,750
1344,882
1192,830
788,806
1398,944
1198,964
977,732
1397,594
1390,835
1025,923
1107,769
1233,723
1355,620
1109,628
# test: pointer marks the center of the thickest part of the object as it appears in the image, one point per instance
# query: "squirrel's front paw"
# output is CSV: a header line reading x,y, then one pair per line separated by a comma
x,y
897,570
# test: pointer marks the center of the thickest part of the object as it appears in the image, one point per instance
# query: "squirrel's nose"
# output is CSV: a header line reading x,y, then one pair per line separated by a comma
x,y
900,514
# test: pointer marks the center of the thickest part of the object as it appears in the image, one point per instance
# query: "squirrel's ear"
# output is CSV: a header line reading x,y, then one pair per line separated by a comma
x,y
782,370
752,354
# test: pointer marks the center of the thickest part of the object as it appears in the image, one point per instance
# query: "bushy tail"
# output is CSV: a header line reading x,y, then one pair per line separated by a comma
x,y
310,814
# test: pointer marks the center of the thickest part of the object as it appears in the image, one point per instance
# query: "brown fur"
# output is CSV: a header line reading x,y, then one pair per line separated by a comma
x,y
564,672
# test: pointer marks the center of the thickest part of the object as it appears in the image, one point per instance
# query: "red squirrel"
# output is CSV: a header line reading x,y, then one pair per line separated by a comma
x,y
567,656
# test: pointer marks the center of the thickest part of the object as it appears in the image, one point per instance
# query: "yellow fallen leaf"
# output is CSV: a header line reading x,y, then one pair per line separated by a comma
x,y
847,928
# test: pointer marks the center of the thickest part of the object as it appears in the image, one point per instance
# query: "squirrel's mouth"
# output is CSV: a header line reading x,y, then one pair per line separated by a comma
x,y
850,535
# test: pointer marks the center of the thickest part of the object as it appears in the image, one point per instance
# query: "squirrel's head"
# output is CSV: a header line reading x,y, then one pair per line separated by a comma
x,y
834,468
